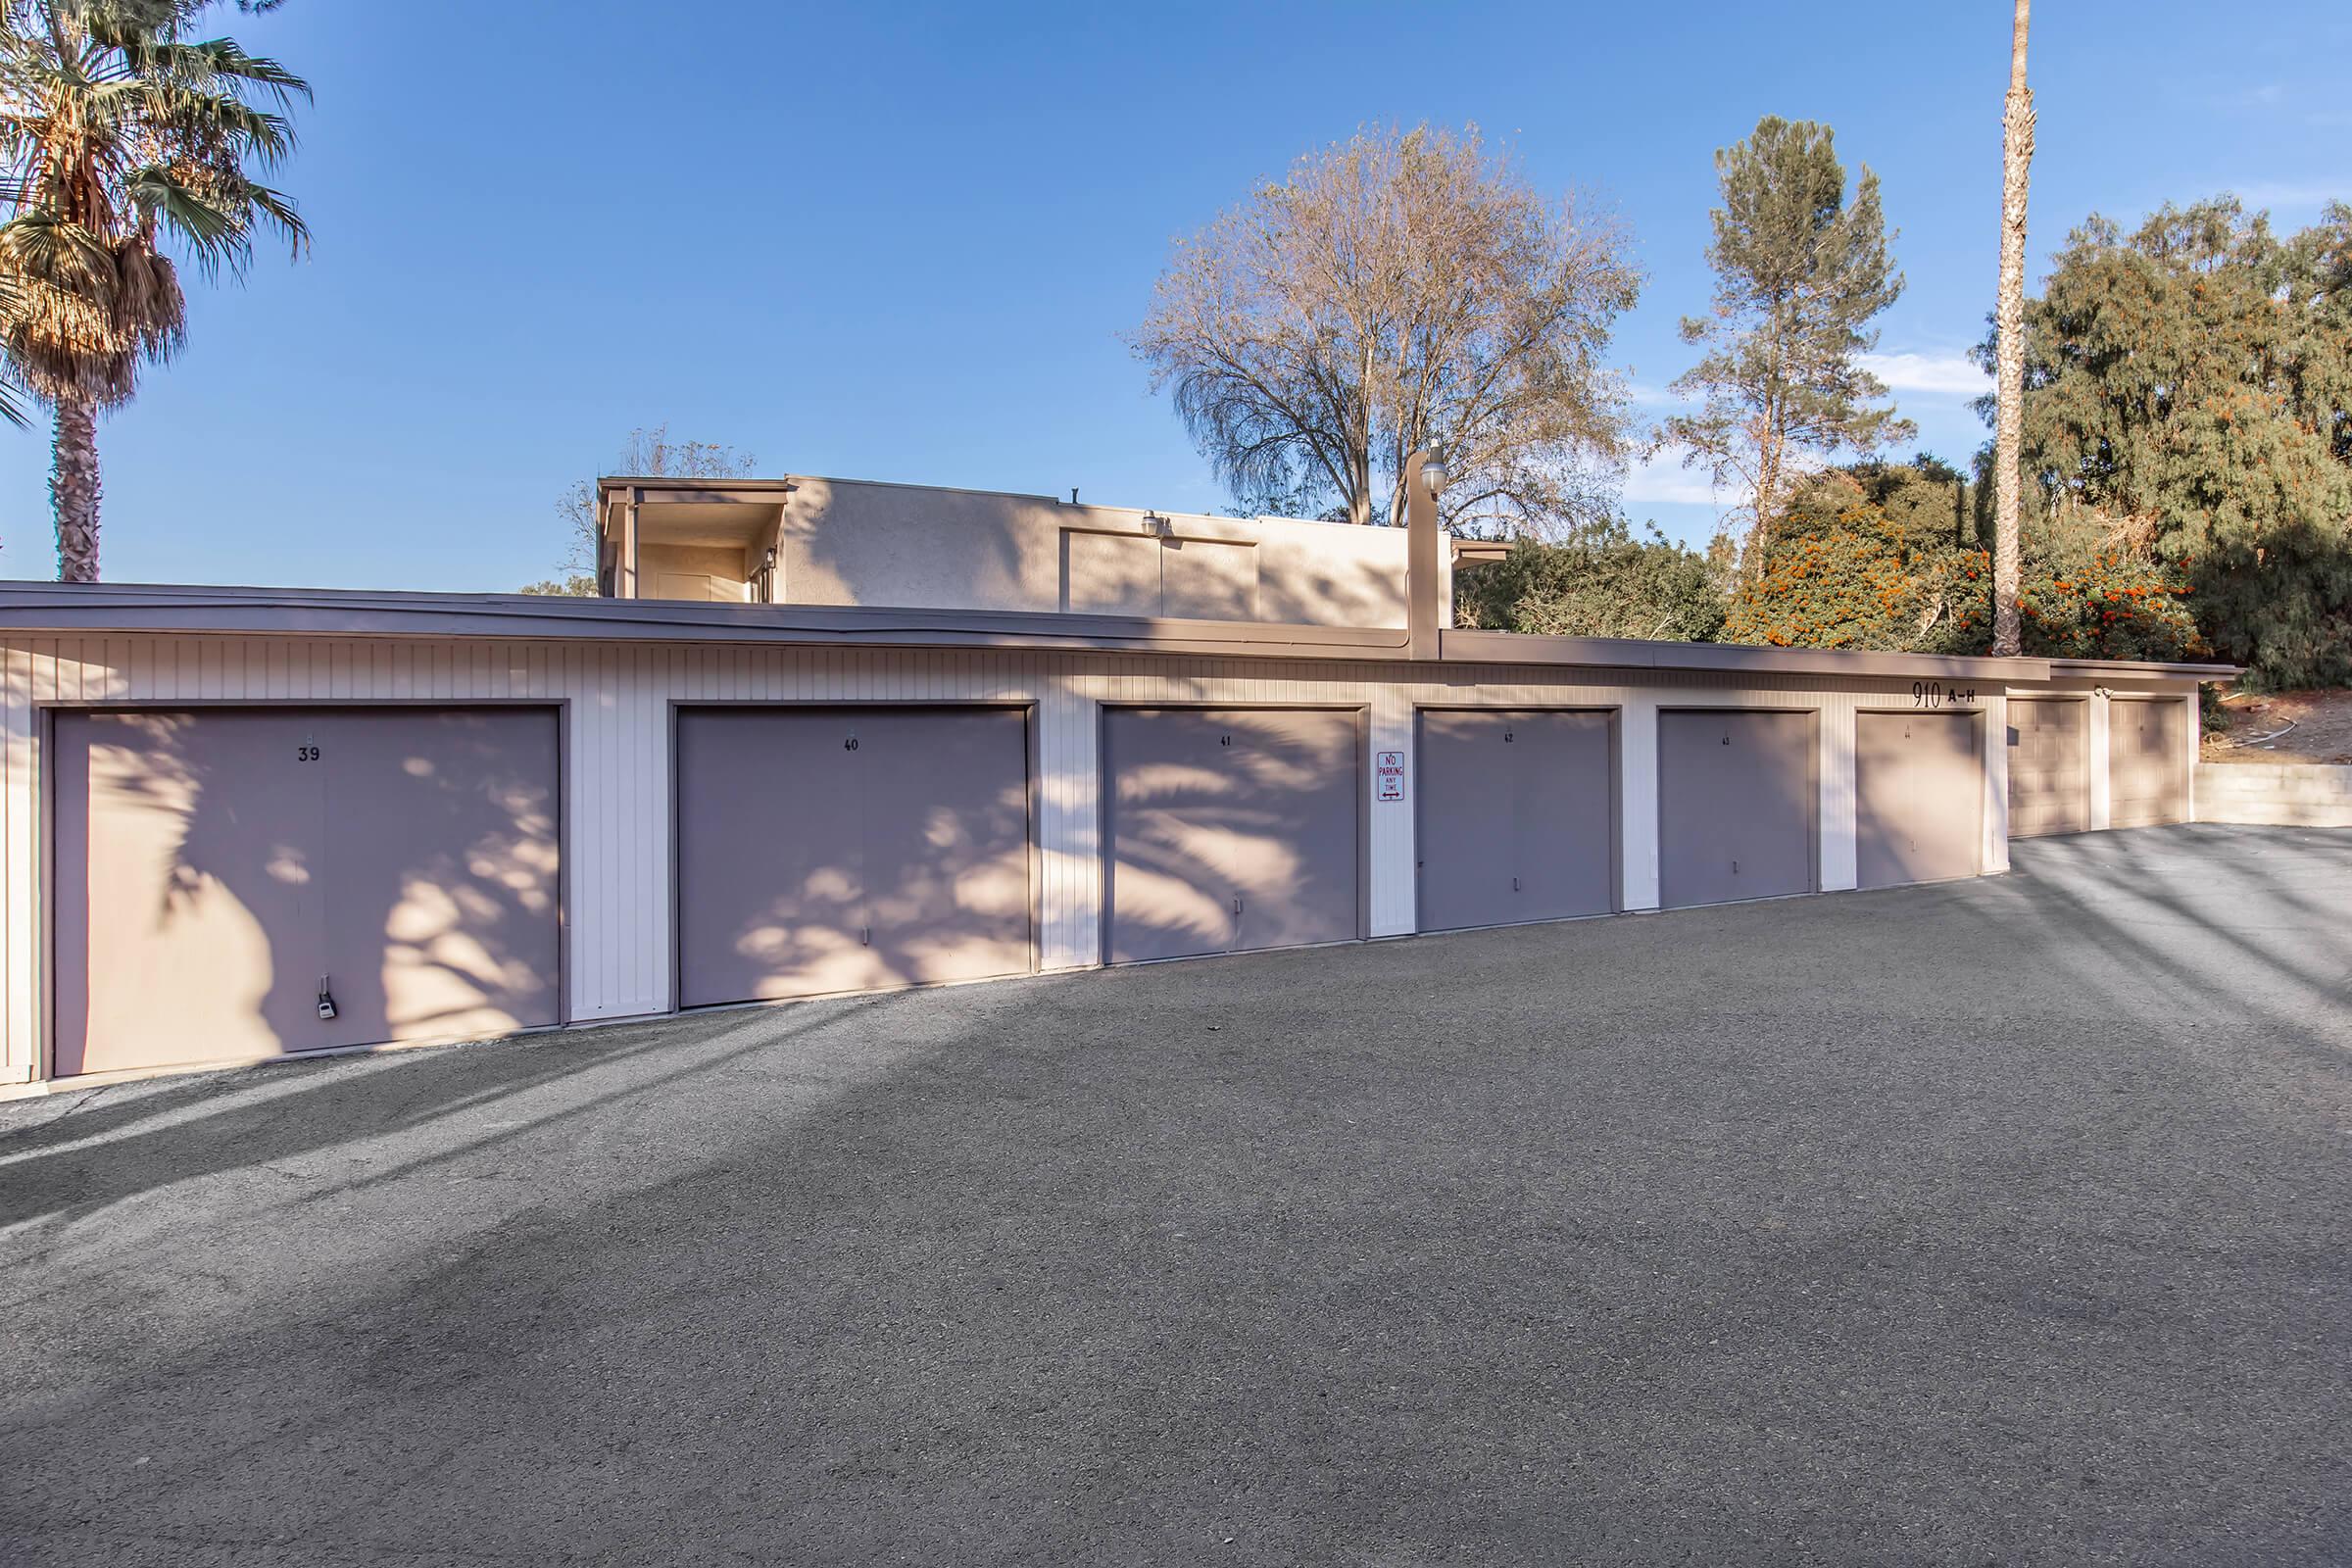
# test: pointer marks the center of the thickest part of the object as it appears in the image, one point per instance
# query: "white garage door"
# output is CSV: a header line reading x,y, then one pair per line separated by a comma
x,y
1228,830
1516,819
241,882
850,849
1735,805
2147,761
2049,767
1919,797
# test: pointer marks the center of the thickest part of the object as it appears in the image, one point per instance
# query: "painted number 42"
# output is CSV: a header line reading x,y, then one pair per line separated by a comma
x,y
1931,694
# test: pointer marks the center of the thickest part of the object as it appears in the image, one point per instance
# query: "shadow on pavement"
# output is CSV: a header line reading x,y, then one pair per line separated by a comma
x,y
1994,1221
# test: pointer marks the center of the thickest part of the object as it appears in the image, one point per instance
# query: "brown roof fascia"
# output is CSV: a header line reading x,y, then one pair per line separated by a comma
x,y
40,607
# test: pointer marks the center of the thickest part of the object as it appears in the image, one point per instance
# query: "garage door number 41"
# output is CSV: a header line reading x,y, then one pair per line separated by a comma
x,y
1931,694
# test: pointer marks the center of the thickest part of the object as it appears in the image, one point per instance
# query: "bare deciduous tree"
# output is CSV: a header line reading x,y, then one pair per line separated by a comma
x,y
2009,315
1393,291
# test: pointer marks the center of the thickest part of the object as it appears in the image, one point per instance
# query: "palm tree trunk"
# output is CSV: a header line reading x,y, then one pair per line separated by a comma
x,y
2017,154
74,490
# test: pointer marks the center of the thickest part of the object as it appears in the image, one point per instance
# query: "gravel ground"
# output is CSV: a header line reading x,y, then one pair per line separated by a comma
x,y
2001,1221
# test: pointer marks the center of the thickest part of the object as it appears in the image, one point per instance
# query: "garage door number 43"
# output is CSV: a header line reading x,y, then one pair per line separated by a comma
x,y
1931,694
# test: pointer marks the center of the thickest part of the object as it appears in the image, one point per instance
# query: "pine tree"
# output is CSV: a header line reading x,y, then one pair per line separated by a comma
x,y
1799,273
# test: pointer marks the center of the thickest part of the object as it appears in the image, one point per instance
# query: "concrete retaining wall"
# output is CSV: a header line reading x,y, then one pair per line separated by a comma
x,y
2283,794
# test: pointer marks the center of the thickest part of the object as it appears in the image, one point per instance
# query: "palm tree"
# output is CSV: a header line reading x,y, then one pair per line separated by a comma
x,y
120,134
10,410
2009,315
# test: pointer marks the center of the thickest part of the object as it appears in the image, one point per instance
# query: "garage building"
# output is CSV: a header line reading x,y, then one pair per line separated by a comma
x,y
240,823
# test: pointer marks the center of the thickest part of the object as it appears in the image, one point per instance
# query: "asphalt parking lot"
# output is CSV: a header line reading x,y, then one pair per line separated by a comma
x,y
1992,1222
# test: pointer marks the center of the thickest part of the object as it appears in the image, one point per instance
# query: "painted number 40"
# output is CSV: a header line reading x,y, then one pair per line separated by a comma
x,y
1931,694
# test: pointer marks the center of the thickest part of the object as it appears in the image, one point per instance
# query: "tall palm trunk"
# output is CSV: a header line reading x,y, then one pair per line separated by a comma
x,y
2017,154
73,489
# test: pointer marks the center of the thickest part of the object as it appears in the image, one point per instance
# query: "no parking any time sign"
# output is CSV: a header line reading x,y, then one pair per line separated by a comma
x,y
1387,772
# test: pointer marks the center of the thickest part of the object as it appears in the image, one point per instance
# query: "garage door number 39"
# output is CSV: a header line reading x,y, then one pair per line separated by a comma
x,y
305,754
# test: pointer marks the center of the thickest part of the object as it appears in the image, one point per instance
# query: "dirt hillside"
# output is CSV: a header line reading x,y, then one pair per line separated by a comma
x,y
2308,726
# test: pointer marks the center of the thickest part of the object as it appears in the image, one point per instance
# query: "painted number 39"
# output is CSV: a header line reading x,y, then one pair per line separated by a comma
x,y
305,754
1931,694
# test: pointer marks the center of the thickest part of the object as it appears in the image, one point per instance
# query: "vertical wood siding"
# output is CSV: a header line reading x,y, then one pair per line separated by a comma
x,y
618,699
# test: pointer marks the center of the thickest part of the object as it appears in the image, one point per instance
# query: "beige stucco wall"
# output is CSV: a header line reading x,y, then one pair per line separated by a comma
x,y
712,573
852,543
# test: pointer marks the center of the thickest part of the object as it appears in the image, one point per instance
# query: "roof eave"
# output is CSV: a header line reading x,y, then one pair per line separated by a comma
x,y
1522,647
75,608
2124,667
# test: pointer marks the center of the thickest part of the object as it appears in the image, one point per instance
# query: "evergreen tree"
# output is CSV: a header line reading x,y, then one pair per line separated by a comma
x,y
1878,556
1893,557
1799,273
2188,394
1601,581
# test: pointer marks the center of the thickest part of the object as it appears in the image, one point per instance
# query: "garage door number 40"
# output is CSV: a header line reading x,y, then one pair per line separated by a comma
x,y
1931,694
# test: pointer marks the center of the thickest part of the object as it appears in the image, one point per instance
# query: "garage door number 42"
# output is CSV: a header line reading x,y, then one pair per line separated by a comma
x,y
1931,694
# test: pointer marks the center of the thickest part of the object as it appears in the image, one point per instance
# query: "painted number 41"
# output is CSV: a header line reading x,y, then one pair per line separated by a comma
x,y
1931,694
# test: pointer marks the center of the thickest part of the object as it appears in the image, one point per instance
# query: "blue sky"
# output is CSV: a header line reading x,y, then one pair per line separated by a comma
x,y
902,242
